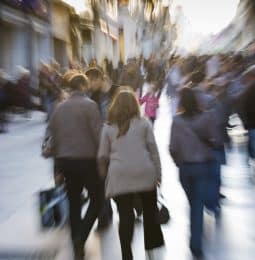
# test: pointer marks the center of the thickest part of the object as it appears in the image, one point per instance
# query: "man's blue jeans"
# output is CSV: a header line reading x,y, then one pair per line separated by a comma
x,y
214,179
194,178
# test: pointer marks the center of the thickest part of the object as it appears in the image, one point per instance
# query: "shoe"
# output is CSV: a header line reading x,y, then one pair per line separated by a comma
x,y
222,196
105,219
103,224
217,212
197,253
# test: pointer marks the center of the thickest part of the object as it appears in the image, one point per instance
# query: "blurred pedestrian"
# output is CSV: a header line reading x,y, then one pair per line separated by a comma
x,y
130,75
75,128
49,88
193,137
220,116
22,90
247,107
206,101
3,101
151,101
174,80
129,161
102,92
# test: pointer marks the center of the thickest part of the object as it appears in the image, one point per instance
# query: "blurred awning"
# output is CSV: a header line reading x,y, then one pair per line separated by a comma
x,y
12,16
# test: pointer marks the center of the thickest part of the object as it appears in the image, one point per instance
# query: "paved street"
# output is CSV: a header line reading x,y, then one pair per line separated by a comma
x,y
23,172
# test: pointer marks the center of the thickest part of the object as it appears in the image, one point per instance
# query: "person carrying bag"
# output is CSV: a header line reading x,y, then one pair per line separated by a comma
x,y
73,138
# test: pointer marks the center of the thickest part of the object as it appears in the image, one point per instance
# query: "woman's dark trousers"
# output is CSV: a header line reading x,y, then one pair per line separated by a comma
x,y
153,236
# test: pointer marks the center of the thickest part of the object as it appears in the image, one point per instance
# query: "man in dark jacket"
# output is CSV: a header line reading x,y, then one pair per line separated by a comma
x,y
130,76
247,106
75,127
102,92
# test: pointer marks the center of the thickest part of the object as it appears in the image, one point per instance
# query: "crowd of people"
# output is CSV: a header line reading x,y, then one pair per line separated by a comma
x,y
82,152
102,143
205,92
25,92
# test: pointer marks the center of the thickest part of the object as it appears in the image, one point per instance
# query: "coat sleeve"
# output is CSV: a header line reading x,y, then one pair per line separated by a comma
x,y
52,123
153,149
49,133
104,151
173,144
95,123
213,130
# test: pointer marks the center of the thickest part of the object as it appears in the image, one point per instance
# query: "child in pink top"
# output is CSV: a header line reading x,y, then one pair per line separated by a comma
x,y
151,101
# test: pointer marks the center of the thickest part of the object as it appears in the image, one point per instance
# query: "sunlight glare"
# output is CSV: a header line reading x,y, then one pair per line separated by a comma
x,y
208,16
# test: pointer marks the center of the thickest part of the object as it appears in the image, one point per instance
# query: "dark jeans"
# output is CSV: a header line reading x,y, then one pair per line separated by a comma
x,y
79,174
251,143
3,119
106,213
214,179
153,236
194,178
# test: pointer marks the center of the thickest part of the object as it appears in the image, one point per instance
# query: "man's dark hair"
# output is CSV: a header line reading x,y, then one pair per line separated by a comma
x,y
78,81
197,77
188,102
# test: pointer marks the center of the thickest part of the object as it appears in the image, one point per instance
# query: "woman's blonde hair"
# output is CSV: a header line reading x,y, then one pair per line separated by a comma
x,y
123,109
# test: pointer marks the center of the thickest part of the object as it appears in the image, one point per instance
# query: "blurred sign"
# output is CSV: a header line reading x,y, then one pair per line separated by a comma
x,y
103,26
114,32
123,2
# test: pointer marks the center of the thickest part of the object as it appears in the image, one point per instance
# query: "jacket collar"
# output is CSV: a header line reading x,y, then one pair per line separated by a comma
x,y
78,93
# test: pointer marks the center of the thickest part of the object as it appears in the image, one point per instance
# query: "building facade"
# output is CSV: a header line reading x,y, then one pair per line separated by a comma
x,y
26,35
62,28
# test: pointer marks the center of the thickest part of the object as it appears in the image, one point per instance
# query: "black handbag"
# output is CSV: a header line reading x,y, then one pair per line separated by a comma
x,y
163,215
53,207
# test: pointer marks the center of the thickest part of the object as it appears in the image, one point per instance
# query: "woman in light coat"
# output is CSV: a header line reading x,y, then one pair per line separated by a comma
x,y
129,161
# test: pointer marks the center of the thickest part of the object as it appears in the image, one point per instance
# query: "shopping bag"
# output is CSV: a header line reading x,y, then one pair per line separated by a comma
x,y
163,215
53,207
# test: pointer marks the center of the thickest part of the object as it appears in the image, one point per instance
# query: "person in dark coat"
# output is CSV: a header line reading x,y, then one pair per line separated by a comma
x,y
75,127
102,92
3,102
193,137
247,106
